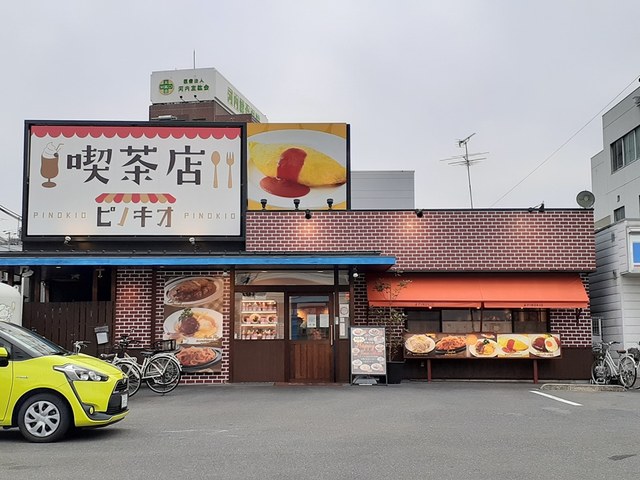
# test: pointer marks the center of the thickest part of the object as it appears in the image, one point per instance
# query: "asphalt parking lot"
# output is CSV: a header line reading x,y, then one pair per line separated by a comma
x,y
440,430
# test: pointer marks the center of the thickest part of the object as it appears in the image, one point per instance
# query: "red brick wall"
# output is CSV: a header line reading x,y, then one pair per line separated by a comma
x,y
443,240
449,240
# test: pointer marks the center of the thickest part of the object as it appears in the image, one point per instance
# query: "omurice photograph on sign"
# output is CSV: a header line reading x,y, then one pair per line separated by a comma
x,y
307,163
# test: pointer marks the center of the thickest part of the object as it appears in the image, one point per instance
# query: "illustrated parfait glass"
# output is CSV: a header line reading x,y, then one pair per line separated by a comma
x,y
49,164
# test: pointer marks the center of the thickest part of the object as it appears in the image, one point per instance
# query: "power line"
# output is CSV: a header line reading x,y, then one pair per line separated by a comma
x,y
567,141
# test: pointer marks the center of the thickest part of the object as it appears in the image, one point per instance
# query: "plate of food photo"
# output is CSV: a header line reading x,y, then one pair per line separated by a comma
x,y
451,344
191,291
419,344
513,345
196,358
545,345
193,326
484,348
305,164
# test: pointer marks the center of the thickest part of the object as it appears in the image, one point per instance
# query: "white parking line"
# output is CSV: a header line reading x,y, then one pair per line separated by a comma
x,y
556,398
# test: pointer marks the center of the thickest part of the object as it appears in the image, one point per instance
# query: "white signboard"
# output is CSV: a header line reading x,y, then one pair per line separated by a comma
x,y
123,179
200,84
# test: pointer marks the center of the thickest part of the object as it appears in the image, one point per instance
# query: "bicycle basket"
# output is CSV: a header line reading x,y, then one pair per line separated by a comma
x,y
597,350
635,352
164,345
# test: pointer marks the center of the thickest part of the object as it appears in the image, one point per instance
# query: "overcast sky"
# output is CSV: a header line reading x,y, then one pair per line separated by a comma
x,y
410,77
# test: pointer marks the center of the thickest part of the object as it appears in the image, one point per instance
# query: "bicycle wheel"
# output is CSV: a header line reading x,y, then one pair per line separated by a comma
x,y
135,377
162,374
627,368
600,372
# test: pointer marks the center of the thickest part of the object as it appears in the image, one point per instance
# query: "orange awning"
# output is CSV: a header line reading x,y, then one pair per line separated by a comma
x,y
521,290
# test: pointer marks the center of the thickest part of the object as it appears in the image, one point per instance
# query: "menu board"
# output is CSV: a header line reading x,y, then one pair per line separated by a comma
x,y
482,345
368,352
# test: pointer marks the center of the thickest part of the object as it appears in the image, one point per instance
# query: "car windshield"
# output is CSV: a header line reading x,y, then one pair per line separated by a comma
x,y
30,341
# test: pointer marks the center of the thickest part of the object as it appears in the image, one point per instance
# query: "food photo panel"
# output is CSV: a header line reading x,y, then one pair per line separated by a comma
x,y
193,318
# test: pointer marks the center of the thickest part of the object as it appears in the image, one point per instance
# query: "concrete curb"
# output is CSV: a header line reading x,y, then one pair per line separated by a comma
x,y
582,387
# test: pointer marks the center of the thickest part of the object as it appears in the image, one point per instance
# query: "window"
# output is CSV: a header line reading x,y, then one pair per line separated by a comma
x,y
259,316
496,321
475,320
630,147
421,321
531,321
625,150
617,156
286,277
460,321
618,214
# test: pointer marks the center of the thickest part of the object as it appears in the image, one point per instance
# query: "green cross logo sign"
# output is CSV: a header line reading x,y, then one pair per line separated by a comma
x,y
166,87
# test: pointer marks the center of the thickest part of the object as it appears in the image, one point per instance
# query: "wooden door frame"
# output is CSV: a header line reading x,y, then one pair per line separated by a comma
x,y
310,290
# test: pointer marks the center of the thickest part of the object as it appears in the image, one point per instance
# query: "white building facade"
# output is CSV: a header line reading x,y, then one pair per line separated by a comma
x,y
615,172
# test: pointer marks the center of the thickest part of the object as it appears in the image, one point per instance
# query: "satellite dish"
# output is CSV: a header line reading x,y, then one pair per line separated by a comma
x,y
586,199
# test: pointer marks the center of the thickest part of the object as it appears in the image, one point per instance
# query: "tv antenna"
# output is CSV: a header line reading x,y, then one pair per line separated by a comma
x,y
466,160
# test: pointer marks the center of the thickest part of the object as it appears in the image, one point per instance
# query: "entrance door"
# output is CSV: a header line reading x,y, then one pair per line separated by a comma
x,y
310,338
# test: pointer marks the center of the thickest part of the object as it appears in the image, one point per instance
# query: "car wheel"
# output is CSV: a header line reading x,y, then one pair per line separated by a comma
x,y
44,418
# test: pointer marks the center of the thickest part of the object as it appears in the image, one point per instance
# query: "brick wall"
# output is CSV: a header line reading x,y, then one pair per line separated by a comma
x,y
442,240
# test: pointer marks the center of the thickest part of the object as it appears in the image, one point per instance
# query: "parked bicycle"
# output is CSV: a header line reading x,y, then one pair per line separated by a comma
x,y
160,368
79,345
635,353
605,369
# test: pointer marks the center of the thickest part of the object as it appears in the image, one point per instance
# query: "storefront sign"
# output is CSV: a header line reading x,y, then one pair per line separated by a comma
x,y
133,180
307,163
482,345
193,318
368,352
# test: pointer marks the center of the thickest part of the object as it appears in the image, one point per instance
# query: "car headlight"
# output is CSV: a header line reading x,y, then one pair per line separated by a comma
x,y
77,373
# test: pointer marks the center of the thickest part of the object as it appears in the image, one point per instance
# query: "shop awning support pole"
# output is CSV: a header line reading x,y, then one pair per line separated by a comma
x,y
428,369
535,370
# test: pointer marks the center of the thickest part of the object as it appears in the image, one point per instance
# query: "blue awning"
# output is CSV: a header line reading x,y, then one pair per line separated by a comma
x,y
291,261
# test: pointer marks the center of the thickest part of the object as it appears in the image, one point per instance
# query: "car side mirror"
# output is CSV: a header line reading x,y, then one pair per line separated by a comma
x,y
4,357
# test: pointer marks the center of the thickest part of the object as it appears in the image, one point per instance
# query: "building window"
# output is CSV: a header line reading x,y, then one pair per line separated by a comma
x,y
459,321
477,320
421,321
531,321
259,316
625,150
630,147
496,321
618,214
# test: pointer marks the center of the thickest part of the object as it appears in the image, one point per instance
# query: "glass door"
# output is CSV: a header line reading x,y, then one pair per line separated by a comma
x,y
311,338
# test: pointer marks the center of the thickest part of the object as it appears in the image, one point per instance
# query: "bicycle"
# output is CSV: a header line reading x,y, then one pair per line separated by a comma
x,y
160,368
635,353
605,369
79,345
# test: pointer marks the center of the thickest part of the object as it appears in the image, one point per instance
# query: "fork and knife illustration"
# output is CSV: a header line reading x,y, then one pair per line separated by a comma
x,y
216,158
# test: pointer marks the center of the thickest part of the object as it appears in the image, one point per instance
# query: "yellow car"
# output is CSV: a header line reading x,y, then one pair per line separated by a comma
x,y
45,390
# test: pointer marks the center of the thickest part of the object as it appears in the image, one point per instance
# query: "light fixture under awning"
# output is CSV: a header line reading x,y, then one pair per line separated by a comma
x,y
521,290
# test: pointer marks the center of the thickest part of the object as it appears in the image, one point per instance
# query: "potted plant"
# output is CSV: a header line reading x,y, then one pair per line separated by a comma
x,y
393,319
